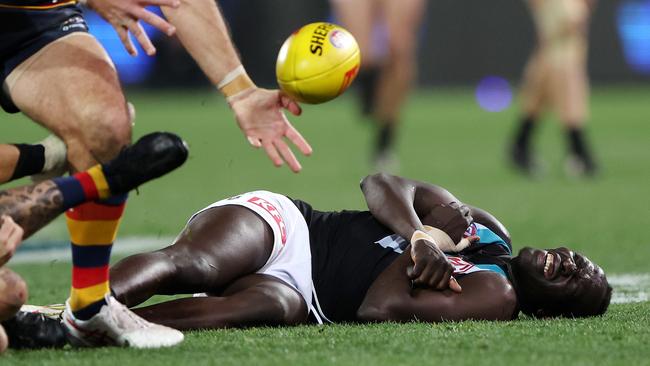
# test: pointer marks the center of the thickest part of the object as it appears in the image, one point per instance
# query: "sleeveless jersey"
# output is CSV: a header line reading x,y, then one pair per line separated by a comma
x,y
351,248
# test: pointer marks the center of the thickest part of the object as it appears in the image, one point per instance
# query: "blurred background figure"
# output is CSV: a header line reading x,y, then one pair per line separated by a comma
x,y
387,35
556,78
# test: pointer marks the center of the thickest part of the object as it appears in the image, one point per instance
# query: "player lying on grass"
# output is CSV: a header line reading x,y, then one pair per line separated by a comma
x,y
263,258
32,207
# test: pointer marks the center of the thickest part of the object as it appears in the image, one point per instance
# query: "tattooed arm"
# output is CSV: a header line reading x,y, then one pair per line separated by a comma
x,y
33,206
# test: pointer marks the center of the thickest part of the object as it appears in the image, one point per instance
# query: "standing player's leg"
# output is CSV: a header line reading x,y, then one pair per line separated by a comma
x,y
534,96
358,17
570,84
71,88
34,206
403,20
46,158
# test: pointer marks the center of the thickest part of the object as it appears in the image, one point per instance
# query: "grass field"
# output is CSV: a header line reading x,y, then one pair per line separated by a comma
x,y
446,139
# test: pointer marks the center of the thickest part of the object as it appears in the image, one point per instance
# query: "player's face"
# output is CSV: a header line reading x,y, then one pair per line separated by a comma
x,y
558,282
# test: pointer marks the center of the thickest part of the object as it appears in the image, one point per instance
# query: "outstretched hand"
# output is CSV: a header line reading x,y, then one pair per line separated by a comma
x,y
11,235
259,113
124,16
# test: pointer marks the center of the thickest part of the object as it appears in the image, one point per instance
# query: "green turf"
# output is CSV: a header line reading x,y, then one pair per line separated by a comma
x,y
446,139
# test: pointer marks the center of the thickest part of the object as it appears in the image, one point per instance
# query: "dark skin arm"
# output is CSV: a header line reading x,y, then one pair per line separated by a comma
x,y
485,296
400,203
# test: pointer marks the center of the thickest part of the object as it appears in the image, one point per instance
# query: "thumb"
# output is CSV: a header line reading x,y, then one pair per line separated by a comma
x,y
290,104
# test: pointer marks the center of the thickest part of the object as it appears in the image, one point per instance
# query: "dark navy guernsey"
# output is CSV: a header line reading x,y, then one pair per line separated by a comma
x,y
351,248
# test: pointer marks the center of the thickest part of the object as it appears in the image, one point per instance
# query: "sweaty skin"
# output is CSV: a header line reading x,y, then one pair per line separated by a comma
x,y
218,252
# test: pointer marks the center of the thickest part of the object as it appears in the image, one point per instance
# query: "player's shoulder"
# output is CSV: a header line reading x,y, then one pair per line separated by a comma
x,y
501,292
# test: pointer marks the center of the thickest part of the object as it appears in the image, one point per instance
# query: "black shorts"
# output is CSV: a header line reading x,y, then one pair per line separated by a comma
x,y
24,32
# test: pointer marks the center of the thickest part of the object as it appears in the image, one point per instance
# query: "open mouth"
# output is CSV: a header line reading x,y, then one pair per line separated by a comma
x,y
548,265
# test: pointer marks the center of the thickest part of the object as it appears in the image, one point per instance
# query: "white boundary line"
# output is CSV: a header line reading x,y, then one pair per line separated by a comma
x,y
44,251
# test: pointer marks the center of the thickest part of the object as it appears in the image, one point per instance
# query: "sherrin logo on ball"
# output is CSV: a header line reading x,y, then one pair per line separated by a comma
x,y
317,63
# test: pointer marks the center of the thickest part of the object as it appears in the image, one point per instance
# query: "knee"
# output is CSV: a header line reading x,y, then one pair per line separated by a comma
x,y
13,293
113,132
288,306
104,129
402,51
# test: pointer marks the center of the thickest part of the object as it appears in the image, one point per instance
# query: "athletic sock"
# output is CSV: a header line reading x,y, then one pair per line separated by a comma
x,y
385,137
31,160
93,227
525,131
82,187
578,146
367,82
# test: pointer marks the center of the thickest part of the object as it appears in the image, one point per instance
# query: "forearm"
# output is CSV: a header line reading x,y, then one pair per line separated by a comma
x,y
485,296
391,286
32,207
400,203
203,32
390,200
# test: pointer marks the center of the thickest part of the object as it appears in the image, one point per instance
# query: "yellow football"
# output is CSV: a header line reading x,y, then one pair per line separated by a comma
x,y
317,63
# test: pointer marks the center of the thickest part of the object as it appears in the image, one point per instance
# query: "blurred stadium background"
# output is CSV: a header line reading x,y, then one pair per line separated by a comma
x,y
455,130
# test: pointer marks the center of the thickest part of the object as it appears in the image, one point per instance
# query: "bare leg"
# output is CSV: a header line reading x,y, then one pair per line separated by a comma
x,y
71,88
403,19
250,301
358,17
8,162
218,246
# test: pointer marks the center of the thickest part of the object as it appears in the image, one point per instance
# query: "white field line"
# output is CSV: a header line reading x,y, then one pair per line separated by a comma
x,y
49,251
630,287
627,287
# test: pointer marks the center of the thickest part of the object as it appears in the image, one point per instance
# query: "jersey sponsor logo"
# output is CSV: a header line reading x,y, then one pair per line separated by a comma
x,y
275,214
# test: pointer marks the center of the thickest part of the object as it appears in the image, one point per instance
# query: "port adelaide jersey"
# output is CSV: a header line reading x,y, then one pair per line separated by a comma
x,y
351,248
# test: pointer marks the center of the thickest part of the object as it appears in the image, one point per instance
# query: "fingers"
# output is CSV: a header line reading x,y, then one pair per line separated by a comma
x,y
11,234
454,285
290,105
155,20
272,153
416,270
142,37
123,34
296,138
288,156
257,143
170,3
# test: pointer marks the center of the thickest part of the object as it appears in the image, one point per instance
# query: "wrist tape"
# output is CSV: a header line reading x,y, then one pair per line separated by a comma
x,y
235,82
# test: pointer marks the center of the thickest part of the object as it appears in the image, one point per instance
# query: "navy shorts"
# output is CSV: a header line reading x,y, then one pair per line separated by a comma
x,y
24,32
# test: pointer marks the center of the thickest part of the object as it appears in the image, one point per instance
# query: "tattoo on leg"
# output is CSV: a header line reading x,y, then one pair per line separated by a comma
x,y
32,207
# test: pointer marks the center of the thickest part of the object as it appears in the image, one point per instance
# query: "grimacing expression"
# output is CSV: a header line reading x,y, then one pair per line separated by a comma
x,y
560,282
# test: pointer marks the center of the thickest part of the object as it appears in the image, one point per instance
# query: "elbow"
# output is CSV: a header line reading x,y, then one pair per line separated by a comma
x,y
373,180
373,312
